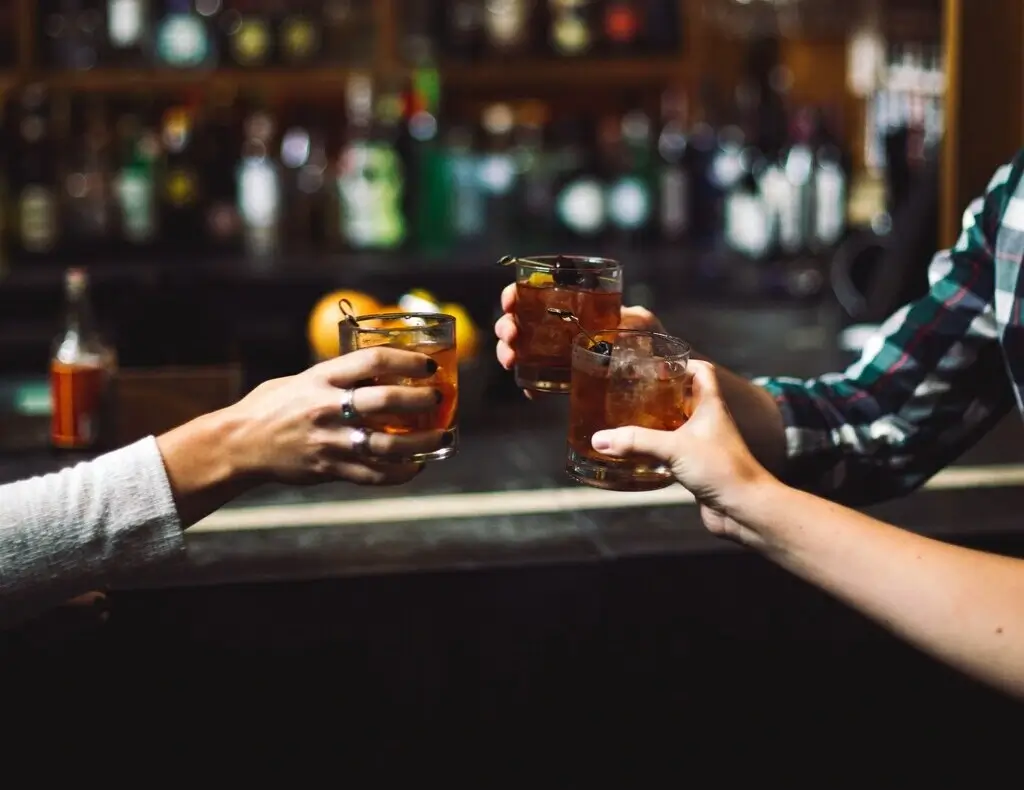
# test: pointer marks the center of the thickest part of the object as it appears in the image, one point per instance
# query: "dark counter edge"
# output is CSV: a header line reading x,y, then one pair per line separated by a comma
x,y
979,517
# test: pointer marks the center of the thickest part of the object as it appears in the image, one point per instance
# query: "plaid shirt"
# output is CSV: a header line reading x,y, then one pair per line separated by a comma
x,y
938,375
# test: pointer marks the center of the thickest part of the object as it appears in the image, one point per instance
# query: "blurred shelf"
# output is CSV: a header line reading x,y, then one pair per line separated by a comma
x,y
268,80
596,73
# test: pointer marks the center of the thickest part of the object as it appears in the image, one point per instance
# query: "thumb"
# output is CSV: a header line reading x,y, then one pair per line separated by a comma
x,y
621,442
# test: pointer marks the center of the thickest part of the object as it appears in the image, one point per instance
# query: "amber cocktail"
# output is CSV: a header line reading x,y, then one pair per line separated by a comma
x,y
620,378
589,288
432,334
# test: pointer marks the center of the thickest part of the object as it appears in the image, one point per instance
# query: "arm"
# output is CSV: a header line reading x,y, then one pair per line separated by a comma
x,y
964,607
928,386
67,532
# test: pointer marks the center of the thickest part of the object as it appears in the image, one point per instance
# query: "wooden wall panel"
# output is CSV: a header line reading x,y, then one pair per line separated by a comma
x,y
985,109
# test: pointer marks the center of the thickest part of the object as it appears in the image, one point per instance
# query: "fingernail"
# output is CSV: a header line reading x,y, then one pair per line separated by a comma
x,y
431,367
601,442
438,396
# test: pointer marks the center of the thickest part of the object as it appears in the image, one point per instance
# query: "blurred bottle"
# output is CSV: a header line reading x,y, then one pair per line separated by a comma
x,y
82,368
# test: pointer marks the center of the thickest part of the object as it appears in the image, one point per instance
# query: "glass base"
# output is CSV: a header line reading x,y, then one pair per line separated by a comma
x,y
616,475
543,378
448,451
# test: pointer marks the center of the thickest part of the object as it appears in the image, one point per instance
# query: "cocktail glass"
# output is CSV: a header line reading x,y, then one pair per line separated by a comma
x,y
432,334
620,378
590,288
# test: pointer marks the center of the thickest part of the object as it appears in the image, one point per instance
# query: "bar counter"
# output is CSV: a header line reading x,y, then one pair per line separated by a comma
x,y
521,611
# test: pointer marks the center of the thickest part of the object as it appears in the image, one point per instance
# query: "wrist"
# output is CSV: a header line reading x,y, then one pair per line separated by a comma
x,y
206,464
754,505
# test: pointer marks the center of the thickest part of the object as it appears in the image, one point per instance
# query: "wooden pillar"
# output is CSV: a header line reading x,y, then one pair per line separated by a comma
x,y
984,44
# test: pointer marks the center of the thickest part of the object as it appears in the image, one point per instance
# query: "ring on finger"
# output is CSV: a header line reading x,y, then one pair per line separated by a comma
x,y
348,405
360,439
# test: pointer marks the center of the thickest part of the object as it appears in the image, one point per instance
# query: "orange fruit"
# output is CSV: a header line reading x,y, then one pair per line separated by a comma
x,y
322,326
467,336
381,324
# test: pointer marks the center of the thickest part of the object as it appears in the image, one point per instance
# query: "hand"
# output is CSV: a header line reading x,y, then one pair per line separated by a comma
x,y
507,330
707,455
290,429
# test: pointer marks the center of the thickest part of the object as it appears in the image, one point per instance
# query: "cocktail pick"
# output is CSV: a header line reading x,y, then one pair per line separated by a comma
x,y
508,260
570,316
348,311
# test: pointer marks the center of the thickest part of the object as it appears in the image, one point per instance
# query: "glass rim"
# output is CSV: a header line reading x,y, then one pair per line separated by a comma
x,y
440,320
547,261
685,349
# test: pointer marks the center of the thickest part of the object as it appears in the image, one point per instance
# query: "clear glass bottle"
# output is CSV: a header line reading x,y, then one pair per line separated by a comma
x,y
82,368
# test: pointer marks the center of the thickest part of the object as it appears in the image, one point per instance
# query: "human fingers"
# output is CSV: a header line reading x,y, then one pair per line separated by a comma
x,y
631,440
368,446
371,474
506,328
508,298
636,317
395,399
368,363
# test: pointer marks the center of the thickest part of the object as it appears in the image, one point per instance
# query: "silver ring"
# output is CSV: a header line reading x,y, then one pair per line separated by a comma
x,y
348,406
360,438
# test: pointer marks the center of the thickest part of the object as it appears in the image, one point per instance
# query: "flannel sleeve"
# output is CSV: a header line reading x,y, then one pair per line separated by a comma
x,y
929,384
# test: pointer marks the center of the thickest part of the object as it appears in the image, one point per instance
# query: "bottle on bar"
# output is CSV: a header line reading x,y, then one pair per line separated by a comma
x,y
299,33
129,33
38,213
82,367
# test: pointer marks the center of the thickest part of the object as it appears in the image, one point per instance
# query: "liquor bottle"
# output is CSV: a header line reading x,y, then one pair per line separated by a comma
x,y
82,367
370,177
675,183
304,159
572,27
249,33
506,27
182,221
580,204
84,140
73,32
220,146
348,31
497,171
629,178
461,27
135,184
259,186
299,33
129,33
623,26
184,39
38,215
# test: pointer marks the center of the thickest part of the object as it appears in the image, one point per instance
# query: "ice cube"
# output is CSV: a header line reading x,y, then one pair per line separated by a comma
x,y
624,362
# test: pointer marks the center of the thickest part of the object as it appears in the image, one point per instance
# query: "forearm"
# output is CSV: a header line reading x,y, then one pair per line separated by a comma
x,y
964,607
64,533
205,464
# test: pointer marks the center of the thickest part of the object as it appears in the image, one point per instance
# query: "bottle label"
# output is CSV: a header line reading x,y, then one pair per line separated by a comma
x,y
78,393
37,219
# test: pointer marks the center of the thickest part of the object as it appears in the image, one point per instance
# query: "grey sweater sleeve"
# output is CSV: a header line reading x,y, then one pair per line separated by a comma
x,y
72,531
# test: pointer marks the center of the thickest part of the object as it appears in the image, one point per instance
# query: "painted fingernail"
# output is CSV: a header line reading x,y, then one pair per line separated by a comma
x,y
431,367
438,396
